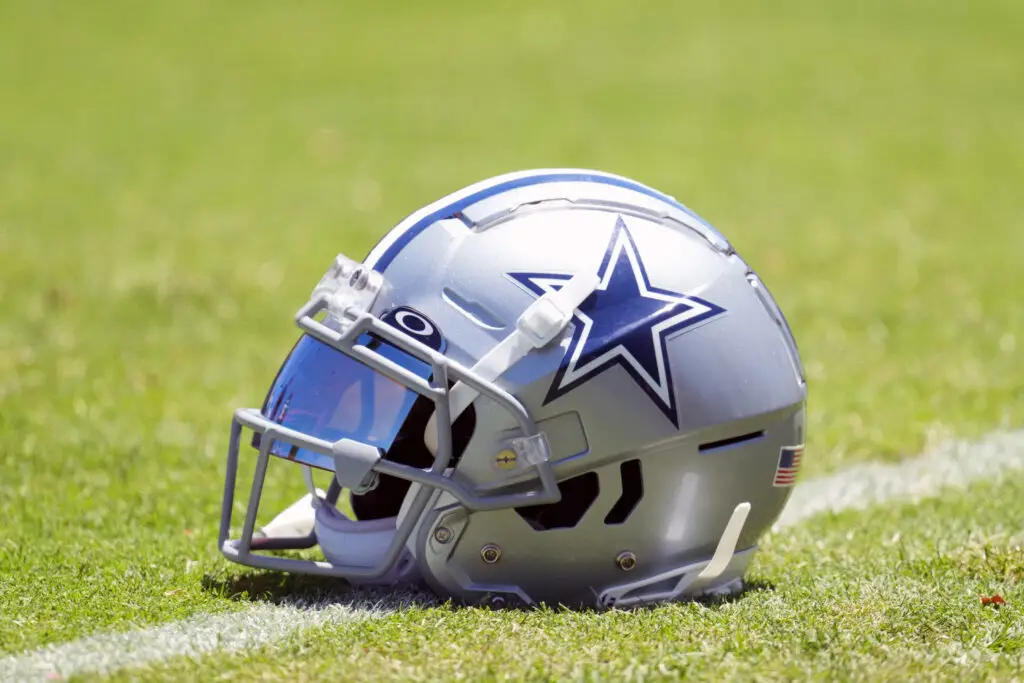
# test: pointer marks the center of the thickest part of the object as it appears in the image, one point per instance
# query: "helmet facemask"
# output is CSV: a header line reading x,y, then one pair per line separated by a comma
x,y
375,401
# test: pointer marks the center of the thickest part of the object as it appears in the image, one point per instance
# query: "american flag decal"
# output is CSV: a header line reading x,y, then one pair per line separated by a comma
x,y
789,465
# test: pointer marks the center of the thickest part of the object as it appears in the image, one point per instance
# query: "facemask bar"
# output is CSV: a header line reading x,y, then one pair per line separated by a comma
x,y
356,464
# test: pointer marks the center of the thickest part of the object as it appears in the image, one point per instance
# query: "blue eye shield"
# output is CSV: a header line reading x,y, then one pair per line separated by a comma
x,y
327,394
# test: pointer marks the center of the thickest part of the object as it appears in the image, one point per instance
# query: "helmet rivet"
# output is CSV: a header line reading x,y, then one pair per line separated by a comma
x,y
626,560
443,534
490,553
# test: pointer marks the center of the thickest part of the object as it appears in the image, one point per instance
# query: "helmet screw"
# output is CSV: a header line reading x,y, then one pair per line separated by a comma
x,y
442,534
626,560
490,553
505,460
358,279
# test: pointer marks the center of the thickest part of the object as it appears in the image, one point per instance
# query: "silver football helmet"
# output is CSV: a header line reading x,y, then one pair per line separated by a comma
x,y
556,385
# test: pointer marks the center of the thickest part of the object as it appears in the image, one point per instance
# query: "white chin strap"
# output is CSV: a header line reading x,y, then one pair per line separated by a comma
x,y
296,520
347,542
344,541
540,324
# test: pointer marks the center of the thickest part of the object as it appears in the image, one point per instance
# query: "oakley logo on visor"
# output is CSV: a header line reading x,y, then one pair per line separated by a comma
x,y
416,325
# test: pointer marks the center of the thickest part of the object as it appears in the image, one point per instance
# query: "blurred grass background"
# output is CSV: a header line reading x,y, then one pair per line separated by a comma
x,y
175,176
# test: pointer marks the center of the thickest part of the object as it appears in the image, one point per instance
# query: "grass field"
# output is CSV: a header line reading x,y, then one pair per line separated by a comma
x,y
175,176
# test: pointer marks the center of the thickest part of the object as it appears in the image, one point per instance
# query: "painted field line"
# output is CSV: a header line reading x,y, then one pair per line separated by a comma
x,y
250,628
953,464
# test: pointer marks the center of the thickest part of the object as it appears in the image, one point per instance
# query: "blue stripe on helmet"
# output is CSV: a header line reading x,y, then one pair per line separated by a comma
x,y
455,207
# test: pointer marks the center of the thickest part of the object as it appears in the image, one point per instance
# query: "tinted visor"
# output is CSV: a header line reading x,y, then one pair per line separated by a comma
x,y
324,393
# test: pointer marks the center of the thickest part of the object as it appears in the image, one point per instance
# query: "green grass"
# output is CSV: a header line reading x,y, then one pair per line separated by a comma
x,y
880,595
174,177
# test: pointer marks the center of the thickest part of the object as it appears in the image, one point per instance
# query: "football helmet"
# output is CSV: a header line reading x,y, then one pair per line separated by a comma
x,y
554,386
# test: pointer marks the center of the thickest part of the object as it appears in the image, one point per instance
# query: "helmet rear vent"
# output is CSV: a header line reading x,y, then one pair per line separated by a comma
x,y
731,441
578,494
632,492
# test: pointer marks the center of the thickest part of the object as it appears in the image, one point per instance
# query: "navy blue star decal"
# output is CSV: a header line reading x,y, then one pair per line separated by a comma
x,y
625,322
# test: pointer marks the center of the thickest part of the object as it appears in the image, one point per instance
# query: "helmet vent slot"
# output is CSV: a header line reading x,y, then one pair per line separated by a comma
x,y
578,494
632,492
731,441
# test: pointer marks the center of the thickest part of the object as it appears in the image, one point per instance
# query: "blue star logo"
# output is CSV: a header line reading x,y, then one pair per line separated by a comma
x,y
625,322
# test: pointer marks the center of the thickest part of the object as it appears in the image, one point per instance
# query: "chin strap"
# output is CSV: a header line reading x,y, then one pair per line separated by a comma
x,y
540,324
293,527
296,520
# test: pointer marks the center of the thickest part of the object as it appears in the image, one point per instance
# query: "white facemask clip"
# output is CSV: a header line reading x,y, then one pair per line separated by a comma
x,y
541,323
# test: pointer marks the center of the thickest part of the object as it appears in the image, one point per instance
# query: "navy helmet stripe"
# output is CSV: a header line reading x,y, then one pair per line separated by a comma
x,y
458,206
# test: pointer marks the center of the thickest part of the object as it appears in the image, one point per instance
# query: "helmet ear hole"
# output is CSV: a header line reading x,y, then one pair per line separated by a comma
x,y
578,494
409,449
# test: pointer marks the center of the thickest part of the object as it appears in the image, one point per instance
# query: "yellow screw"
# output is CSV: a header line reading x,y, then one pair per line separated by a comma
x,y
506,460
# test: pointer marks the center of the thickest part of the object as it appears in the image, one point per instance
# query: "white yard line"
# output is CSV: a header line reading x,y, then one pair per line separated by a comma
x,y
251,628
954,464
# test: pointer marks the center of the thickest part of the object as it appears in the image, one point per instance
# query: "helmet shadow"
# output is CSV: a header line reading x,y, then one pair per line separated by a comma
x,y
301,590
313,592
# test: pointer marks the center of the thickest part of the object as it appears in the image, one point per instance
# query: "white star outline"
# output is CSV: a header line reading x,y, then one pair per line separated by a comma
x,y
661,386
